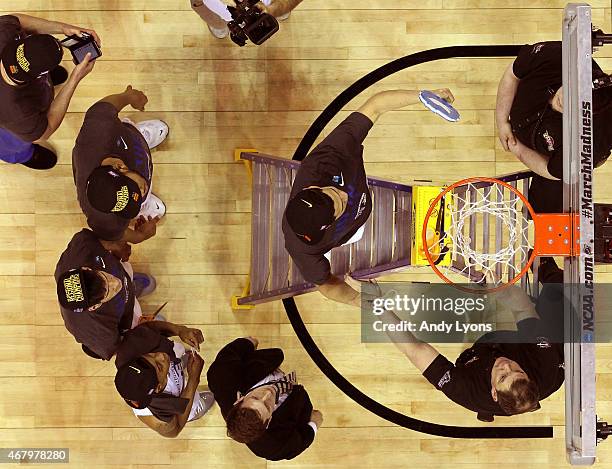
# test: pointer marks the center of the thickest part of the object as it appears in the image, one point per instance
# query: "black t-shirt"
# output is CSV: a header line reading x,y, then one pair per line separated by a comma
x,y
535,123
99,330
538,126
468,381
24,108
103,135
337,161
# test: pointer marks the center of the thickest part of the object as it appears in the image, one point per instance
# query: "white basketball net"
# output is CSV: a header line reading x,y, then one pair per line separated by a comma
x,y
505,254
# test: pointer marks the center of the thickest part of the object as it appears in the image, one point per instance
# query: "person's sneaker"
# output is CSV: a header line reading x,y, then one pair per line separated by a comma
x,y
153,207
207,400
58,75
219,33
153,131
144,284
42,158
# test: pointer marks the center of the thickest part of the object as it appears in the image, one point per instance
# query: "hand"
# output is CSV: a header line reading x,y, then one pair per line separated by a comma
x,y
146,227
506,137
317,417
122,251
445,94
253,340
516,148
193,337
368,290
83,69
137,98
262,7
70,30
195,365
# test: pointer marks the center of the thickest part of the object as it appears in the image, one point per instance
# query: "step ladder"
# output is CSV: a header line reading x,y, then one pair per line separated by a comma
x,y
273,275
384,248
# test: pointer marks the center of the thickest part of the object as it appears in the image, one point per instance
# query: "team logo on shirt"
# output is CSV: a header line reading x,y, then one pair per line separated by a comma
x,y
542,342
446,377
471,360
121,142
339,179
537,48
362,204
550,142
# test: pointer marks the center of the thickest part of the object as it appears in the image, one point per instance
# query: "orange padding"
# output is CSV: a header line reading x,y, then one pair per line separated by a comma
x,y
557,234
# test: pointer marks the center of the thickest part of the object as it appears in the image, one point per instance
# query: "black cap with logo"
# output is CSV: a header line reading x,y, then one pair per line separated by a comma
x,y
71,291
26,59
112,192
136,382
309,213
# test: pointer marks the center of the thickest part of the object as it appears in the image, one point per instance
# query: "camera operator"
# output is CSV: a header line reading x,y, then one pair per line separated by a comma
x,y
216,14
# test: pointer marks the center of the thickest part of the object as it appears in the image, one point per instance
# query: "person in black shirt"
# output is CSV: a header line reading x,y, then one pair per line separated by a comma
x,y
330,200
29,69
504,372
263,407
98,292
530,121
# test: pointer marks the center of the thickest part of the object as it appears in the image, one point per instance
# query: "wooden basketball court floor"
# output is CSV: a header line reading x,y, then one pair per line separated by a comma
x,y
215,97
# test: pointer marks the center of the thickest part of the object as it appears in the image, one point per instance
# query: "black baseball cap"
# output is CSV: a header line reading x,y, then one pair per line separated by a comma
x,y
26,59
136,382
112,192
309,213
71,291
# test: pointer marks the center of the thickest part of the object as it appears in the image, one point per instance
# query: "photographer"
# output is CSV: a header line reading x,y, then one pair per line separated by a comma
x,y
29,69
505,372
216,14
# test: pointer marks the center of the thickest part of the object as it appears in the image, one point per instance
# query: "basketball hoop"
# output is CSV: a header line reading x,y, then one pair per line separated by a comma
x,y
475,205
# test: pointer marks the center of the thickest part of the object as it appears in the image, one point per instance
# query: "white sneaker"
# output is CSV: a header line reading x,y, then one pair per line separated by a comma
x,y
154,132
153,207
207,400
221,33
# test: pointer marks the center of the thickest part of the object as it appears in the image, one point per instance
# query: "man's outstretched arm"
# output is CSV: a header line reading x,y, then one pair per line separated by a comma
x,y
386,101
420,353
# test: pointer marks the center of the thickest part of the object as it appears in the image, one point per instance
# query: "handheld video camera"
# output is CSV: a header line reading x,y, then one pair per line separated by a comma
x,y
250,23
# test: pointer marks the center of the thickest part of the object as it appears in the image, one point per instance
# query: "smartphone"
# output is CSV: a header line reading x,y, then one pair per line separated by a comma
x,y
79,47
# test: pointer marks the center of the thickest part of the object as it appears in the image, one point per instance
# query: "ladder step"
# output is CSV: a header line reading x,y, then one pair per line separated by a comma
x,y
403,225
281,187
260,235
340,260
383,212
